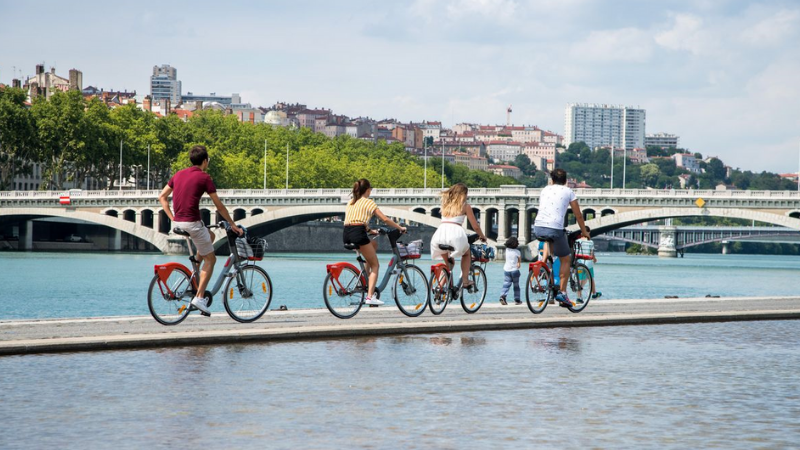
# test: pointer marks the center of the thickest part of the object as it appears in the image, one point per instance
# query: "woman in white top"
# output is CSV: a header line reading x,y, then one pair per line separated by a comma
x,y
451,232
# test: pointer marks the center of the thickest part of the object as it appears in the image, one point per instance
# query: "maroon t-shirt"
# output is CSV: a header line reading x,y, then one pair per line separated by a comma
x,y
188,186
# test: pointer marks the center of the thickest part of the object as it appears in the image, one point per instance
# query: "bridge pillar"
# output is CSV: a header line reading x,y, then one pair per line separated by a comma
x,y
523,227
666,244
26,236
116,243
725,247
502,220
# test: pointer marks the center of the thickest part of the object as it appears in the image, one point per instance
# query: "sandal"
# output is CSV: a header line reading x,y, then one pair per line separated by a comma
x,y
503,301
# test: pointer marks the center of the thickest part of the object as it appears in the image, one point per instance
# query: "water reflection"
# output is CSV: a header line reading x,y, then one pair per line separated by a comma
x,y
405,392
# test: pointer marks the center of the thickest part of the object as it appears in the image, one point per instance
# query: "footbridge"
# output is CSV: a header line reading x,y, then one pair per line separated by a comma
x,y
504,211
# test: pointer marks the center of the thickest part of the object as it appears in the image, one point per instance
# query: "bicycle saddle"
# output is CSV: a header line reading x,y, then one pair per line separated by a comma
x,y
448,248
180,231
351,246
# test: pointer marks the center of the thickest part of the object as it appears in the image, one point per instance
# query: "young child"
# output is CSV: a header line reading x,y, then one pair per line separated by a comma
x,y
586,247
511,271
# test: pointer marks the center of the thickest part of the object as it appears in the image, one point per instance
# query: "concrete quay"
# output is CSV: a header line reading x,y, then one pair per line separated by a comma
x,y
18,337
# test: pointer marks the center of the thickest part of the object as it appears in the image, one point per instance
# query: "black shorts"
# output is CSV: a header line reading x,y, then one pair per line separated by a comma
x,y
355,234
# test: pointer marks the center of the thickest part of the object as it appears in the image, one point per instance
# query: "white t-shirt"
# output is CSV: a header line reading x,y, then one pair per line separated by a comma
x,y
512,258
553,203
586,247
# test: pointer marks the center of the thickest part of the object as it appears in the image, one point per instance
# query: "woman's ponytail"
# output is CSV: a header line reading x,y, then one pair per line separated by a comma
x,y
359,188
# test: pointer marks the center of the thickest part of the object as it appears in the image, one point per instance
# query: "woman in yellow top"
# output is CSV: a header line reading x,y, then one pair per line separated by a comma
x,y
357,215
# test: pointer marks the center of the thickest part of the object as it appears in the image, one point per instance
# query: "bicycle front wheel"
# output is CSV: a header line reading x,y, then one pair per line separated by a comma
x,y
472,298
411,291
344,294
169,300
440,291
248,294
579,287
537,290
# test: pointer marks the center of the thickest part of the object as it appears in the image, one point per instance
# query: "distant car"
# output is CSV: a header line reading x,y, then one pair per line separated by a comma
x,y
73,238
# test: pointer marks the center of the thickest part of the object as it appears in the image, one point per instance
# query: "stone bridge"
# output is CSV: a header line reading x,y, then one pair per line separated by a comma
x,y
501,211
671,240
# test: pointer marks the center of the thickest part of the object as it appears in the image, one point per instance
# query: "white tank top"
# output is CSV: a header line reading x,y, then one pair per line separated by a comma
x,y
458,220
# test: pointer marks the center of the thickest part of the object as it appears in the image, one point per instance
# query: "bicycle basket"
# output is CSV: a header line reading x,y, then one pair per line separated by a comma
x,y
411,251
481,253
258,246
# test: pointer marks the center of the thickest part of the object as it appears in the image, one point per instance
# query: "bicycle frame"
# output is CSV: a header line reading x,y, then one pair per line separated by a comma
x,y
394,264
229,270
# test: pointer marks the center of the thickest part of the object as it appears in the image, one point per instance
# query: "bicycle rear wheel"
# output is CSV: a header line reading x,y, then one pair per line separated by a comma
x,y
537,290
169,301
472,298
579,287
440,291
411,291
344,294
247,295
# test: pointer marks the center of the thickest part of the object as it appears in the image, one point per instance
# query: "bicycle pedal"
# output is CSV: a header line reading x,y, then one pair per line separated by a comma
x,y
202,313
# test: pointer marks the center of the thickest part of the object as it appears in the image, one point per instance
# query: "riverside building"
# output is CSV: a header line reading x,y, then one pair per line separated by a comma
x,y
604,125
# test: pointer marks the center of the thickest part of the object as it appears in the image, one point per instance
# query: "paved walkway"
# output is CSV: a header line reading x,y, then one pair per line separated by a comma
x,y
107,333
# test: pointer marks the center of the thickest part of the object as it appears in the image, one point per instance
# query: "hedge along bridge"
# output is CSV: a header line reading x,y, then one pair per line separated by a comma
x,y
500,210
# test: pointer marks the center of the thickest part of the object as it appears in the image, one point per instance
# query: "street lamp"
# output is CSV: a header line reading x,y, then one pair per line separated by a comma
x,y
120,164
425,146
148,167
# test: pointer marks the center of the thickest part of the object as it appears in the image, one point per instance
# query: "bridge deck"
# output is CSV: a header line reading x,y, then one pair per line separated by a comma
x,y
69,335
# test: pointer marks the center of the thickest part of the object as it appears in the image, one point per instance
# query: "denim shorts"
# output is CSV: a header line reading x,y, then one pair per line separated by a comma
x,y
559,247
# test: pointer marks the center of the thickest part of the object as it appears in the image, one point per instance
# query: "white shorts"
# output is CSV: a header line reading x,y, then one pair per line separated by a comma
x,y
449,234
201,236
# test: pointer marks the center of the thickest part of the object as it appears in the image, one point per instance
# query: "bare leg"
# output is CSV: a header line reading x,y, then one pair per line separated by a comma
x,y
564,271
465,263
209,261
369,253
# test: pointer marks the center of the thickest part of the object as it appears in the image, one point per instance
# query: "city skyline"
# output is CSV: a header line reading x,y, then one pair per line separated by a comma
x,y
721,75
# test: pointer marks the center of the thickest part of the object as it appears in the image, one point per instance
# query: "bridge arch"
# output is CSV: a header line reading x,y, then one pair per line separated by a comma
x,y
612,222
109,219
794,214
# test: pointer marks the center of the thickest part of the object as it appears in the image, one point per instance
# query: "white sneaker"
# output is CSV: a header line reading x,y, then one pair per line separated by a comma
x,y
200,303
373,301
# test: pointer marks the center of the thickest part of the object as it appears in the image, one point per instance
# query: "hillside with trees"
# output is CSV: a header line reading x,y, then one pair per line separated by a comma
x,y
73,138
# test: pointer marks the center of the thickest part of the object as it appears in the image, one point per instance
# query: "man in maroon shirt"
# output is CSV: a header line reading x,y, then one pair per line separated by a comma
x,y
189,185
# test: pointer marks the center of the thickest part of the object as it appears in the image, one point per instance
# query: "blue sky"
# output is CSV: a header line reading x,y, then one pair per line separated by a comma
x,y
724,75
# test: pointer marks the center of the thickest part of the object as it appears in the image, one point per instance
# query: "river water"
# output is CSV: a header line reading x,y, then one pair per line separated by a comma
x,y
57,285
718,385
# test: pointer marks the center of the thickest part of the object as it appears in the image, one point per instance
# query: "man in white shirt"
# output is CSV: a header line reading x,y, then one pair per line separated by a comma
x,y
549,224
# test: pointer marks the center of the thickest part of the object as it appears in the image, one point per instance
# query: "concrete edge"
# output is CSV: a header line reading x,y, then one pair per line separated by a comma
x,y
143,341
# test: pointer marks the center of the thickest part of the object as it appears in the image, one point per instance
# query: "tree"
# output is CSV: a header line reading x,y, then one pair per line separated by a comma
x,y
61,132
649,174
18,137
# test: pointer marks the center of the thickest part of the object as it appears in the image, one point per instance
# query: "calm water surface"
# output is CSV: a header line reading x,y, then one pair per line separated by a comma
x,y
728,386
47,285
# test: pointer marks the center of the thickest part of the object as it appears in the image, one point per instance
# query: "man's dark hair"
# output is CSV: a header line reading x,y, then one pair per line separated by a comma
x,y
198,154
559,176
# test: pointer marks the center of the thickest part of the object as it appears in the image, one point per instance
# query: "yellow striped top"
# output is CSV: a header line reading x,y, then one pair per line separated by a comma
x,y
360,211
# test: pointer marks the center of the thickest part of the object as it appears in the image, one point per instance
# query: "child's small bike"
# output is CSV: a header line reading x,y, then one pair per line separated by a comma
x,y
444,291
248,289
540,289
346,285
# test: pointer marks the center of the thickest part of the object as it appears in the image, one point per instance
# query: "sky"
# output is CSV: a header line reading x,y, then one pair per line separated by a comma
x,y
724,75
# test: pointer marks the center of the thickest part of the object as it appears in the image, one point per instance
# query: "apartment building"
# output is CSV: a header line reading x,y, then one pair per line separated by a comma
x,y
604,125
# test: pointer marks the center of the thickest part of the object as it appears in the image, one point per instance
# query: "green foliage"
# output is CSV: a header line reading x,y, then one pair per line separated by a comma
x,y
18,136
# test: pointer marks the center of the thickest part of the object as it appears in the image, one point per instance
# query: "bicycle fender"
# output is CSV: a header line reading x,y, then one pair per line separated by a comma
x,y
437,268
335,270
164,270
536,267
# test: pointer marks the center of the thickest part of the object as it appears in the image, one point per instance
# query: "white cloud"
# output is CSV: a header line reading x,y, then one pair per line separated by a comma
x,y
501,10
687,33
625,44
772,30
